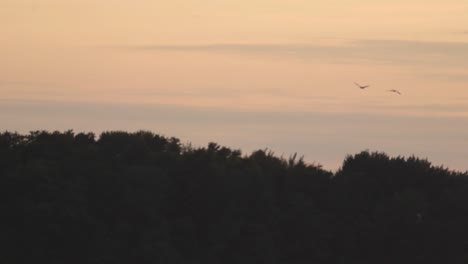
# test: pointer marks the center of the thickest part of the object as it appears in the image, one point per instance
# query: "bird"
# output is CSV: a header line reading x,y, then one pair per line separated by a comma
x,y
394,91
360,86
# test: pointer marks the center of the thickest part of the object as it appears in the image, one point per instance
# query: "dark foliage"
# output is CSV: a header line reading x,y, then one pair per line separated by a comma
x,y
144,198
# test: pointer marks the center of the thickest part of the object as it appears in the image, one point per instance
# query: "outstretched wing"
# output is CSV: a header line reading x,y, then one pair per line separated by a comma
x,y
362,87
395,91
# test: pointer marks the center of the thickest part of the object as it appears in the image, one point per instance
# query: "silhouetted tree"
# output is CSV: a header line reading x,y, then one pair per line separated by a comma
x,y
145,198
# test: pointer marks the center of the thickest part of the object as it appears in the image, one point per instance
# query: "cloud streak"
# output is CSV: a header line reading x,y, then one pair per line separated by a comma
x,y
446,54
214,115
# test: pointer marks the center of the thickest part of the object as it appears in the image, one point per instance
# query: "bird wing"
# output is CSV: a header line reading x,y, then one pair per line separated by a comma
x,y
395,91
357,84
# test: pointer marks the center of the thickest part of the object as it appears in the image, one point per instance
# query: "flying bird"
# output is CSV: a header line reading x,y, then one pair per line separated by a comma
x,y
360,86
394,91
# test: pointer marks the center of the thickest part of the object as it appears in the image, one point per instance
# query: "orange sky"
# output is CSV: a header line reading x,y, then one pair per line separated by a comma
x,y
260,57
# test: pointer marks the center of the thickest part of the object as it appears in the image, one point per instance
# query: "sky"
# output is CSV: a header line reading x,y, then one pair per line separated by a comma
x,y
249,75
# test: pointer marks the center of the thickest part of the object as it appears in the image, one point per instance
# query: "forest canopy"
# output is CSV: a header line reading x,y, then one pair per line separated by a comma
x,y
145,198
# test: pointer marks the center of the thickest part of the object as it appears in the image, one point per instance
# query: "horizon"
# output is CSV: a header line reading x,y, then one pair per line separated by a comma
x,y
256,75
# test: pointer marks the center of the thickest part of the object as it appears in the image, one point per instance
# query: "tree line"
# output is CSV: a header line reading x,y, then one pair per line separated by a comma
x,y
145,198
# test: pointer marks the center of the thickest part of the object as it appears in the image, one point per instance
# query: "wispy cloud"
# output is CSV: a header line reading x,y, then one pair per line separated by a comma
x,y
24,84
381,51
201,114
461,109
455,77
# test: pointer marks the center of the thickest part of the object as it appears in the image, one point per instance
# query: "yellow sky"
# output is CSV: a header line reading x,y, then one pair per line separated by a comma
x,y
295,56
82,44
91,22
